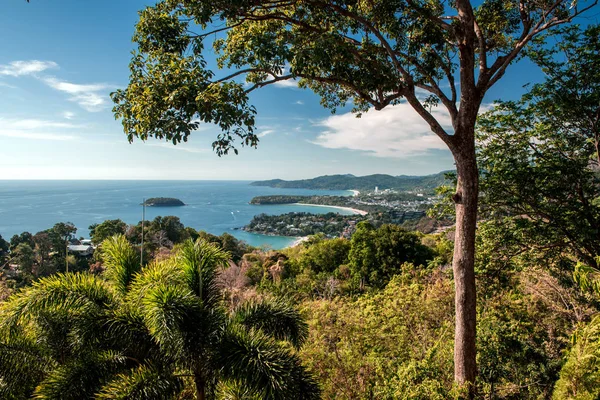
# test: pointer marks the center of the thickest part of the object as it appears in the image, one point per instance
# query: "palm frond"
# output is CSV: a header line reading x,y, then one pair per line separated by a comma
x,y
81,293
200,261
23,363
121,261
157,273
265,366
275,318
80,379
125,329
142,383
166,310
235,390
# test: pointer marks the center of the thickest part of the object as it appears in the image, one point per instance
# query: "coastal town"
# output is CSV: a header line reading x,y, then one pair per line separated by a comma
x,y
378,207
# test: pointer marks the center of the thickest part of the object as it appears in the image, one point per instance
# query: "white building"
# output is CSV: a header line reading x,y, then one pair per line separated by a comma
x,y
81,249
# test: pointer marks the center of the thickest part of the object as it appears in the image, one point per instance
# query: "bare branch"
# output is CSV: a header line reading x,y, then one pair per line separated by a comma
x,y
265,83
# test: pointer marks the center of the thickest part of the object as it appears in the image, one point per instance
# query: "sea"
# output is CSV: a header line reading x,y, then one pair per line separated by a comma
x,y
212,206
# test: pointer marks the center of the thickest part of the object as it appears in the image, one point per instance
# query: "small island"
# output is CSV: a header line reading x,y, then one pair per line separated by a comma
x,y
163,202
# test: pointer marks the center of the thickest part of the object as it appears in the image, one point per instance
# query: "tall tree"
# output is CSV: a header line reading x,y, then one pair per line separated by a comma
x,y
43,254
24,237
373,53
540,158
4,247
104,230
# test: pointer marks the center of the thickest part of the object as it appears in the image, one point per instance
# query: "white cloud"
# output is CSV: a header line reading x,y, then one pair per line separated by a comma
x,y
37,124
68,115
288,83
396,131
30,67
36,129
86,95
35,135
179,146
266,132
4,84
299,102
92,97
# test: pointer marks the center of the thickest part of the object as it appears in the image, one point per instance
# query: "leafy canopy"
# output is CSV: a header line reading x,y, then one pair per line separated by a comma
x,y
540,157
372,53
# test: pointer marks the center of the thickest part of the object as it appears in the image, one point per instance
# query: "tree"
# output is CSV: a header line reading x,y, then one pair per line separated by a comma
x,y
43,251
148,333
540,158
4,248
24,258
376,255
371,53
106,229
326,255
396,246
362,257
24,237
172,226
580,374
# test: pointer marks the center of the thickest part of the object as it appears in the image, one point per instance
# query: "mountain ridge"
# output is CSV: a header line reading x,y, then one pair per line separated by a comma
x,y
424,183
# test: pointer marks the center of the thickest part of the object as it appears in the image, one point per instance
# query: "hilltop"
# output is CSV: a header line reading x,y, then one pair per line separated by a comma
x,y
424,183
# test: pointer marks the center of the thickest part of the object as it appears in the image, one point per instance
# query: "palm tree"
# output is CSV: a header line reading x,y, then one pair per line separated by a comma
x,y
157,332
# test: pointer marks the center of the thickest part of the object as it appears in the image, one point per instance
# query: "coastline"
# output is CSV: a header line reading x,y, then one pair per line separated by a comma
x,y
298,241
354,192
354,210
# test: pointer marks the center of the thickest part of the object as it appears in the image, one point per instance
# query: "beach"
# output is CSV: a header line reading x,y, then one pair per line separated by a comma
x,y
354,210
298,241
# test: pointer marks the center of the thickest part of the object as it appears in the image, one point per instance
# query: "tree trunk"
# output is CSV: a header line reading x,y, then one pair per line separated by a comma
x,y
463,264
200,386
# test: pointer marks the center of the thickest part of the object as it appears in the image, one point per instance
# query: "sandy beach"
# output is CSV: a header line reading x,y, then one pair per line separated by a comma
x,y
299,241
354,210
355,192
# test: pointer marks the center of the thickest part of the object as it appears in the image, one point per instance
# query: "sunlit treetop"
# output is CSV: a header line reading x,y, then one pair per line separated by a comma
x,y
372,53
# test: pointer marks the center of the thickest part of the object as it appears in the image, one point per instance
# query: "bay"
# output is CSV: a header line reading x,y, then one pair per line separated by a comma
x,y
212,206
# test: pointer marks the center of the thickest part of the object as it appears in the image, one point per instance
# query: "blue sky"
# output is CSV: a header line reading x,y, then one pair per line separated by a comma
x,y
60,59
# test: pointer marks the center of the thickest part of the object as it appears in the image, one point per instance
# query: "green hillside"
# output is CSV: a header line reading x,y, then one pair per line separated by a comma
x,y
424,183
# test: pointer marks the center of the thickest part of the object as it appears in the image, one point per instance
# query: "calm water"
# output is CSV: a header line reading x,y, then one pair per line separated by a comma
x,y
212,206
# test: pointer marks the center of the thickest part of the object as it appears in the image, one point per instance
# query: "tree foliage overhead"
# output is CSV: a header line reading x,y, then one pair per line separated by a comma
x,y
372,53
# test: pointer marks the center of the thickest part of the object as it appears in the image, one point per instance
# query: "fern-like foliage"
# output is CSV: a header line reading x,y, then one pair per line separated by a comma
x,y
156,332
121,262
143,382
275,318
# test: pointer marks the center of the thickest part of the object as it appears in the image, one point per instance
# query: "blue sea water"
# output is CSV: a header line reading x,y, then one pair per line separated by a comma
x,y
212,206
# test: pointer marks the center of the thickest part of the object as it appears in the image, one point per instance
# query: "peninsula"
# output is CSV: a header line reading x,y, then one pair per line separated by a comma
x,y
406,183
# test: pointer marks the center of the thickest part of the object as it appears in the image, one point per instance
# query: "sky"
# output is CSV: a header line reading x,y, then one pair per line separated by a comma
x,y
60,59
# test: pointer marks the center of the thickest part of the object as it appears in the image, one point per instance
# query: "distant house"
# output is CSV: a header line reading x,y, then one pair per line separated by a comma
x,y
81,249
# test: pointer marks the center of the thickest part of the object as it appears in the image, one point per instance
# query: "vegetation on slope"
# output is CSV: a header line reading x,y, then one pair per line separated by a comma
x,y
163,202
421,184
